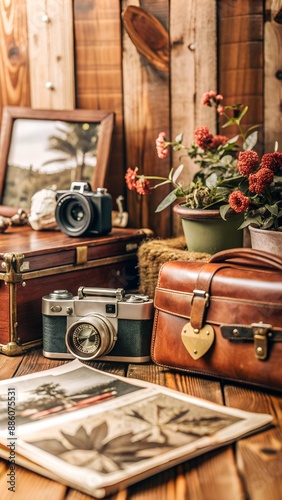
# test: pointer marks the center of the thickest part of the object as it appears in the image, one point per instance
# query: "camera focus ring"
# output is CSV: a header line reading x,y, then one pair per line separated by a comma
x,y
90,337
74,213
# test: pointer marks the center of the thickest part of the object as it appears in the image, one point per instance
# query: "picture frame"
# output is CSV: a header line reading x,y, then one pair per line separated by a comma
x,y
44,148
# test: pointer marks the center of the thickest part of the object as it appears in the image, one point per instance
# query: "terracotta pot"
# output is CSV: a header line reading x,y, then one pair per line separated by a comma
x,y
268,241
206,231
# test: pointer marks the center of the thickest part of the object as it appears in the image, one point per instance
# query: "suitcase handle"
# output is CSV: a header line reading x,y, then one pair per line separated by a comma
x,y
249,257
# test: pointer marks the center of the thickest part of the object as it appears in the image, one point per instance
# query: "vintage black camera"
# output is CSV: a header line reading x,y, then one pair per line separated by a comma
x,y
82,211
98,323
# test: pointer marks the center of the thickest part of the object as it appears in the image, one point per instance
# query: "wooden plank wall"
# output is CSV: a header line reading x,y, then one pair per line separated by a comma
x,y
98,71
273,74
146,113
240,54
51,50
193,71
223,45
14,65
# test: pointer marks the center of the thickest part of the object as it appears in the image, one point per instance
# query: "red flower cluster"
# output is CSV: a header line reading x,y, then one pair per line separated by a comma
x,y
136,182
248,162
239,202
208,98
259,176
162,150
218,140
131,178
142,185
273,161
206,141
203,137
260,180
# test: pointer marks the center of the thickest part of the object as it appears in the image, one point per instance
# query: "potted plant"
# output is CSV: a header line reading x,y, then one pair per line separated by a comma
x,y
261,202
206,197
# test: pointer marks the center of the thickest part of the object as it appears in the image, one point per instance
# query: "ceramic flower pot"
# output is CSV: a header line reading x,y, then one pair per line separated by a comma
x,y
206,231
268,241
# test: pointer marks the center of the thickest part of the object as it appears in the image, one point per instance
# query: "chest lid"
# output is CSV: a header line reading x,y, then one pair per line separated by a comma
x,y
38,250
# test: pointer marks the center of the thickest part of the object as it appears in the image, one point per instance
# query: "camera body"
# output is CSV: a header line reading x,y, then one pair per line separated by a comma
x,y
97,324
82,211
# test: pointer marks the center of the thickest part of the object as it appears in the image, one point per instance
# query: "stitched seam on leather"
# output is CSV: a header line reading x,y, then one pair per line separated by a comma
x,y
225,299
220,378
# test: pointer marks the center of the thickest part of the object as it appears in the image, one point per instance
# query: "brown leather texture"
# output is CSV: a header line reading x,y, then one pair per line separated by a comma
x,y
234,288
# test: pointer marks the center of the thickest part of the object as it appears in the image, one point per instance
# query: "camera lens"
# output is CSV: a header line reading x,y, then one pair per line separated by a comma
x,y
74,214
90,337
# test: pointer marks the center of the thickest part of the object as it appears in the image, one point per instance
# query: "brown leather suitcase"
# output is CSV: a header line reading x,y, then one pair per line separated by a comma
x,y
222,318
35,263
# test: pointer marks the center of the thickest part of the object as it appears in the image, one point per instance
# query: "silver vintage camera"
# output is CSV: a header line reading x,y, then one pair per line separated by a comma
x,y
97,324
82,211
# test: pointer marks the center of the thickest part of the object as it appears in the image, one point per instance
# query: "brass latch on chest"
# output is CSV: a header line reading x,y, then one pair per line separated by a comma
x,y
260,333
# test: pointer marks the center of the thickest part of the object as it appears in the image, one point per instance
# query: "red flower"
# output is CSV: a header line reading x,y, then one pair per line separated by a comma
x,y
248,162
220,109
142,185
218,140
131,178
272,161
211,96
238,202
259,181
203,137
162,151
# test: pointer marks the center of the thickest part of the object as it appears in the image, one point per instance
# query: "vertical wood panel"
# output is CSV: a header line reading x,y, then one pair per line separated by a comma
x,y
240,69
50,28
99,73
273,74
146,113
14,70
193,72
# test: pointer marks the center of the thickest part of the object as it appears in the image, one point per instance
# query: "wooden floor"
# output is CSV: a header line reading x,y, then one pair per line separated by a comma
x,y
250,469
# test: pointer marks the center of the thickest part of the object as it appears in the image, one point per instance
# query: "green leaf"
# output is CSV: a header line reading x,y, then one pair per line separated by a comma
x,y
168,200
211,181
250,141
179,138
226,159
223,210
273,209
243,112
257,221
177,147
268,223
229,122
233,139
162,183
177,173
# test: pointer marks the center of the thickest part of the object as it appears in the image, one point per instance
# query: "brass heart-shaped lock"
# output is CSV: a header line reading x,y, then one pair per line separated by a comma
x,y
197,342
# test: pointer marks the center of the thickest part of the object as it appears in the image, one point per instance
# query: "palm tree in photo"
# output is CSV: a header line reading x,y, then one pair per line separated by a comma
x,y
76,141
55,392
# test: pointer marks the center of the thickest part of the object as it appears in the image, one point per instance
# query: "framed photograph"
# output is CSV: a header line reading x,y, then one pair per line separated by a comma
x,y
44,148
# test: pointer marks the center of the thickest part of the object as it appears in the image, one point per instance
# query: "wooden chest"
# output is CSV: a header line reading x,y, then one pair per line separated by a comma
x,y
35,263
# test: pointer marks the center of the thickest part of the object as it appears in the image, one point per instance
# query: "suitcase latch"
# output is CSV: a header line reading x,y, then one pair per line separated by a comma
x,y
260,334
